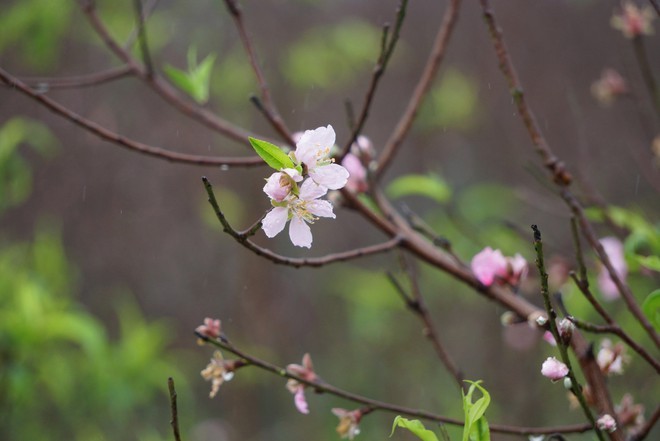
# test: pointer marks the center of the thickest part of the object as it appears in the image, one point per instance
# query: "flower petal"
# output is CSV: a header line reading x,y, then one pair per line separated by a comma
x,y
300,401
310,190
274,221
312,142
320,208
300,233
487,264
333,176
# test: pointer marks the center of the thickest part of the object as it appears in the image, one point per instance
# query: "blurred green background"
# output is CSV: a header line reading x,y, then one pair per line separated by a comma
x,y
109,260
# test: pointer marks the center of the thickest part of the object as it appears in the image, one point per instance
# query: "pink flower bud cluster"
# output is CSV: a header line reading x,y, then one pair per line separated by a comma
x,y
491,266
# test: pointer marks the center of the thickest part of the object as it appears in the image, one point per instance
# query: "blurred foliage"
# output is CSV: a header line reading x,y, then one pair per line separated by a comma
x,y
34,28
330,57
15,172
196,80
62,376
431,186
232,81
451,104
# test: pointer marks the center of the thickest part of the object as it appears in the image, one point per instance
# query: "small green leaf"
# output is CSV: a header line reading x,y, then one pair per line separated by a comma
x,y
480,431
650,262
651,308
271,154
196,82
431,186
415,426
474,412
180,79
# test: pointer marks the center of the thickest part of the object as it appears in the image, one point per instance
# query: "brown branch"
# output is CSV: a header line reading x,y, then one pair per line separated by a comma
x,y
269,109
656,6
421,89
647,72
611,328
387,49
381,405
142,38
243,239
556,167
44,84
162,87
417,305
115,138
173,409
646,428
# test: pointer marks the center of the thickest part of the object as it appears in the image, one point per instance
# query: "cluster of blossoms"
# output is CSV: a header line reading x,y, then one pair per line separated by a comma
x,y
490,266
611,358
295,191
634,22
609,86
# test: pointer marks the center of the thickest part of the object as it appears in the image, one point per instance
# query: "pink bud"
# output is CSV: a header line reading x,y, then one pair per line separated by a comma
x,y
607,423
554,369
357,179
210,328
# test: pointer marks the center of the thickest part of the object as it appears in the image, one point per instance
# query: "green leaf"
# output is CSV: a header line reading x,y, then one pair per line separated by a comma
x,y
431,186
180,79
415,426
651,308
196,82
650,262
480,431
474,413
271,154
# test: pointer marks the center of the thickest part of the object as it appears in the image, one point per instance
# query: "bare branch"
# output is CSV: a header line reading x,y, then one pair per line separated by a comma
x,y
268,109
380,405
428,75
44,84
242,238
142,38
162,87
121,140
387,49
417,304
173,409
557,168
646,428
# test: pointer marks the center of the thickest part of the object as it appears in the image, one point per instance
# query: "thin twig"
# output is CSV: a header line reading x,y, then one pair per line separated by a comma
x,y
142,38
242,238
121,140
611,328
162,87
647,72
380,405
552,316
44,84
269,108
646,428
387,49
557,168
417,305
173,408
421,89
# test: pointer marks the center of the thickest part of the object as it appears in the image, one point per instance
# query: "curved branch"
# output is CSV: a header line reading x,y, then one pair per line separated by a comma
x,y
243,239
432,65
115,138
225,344
162,87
